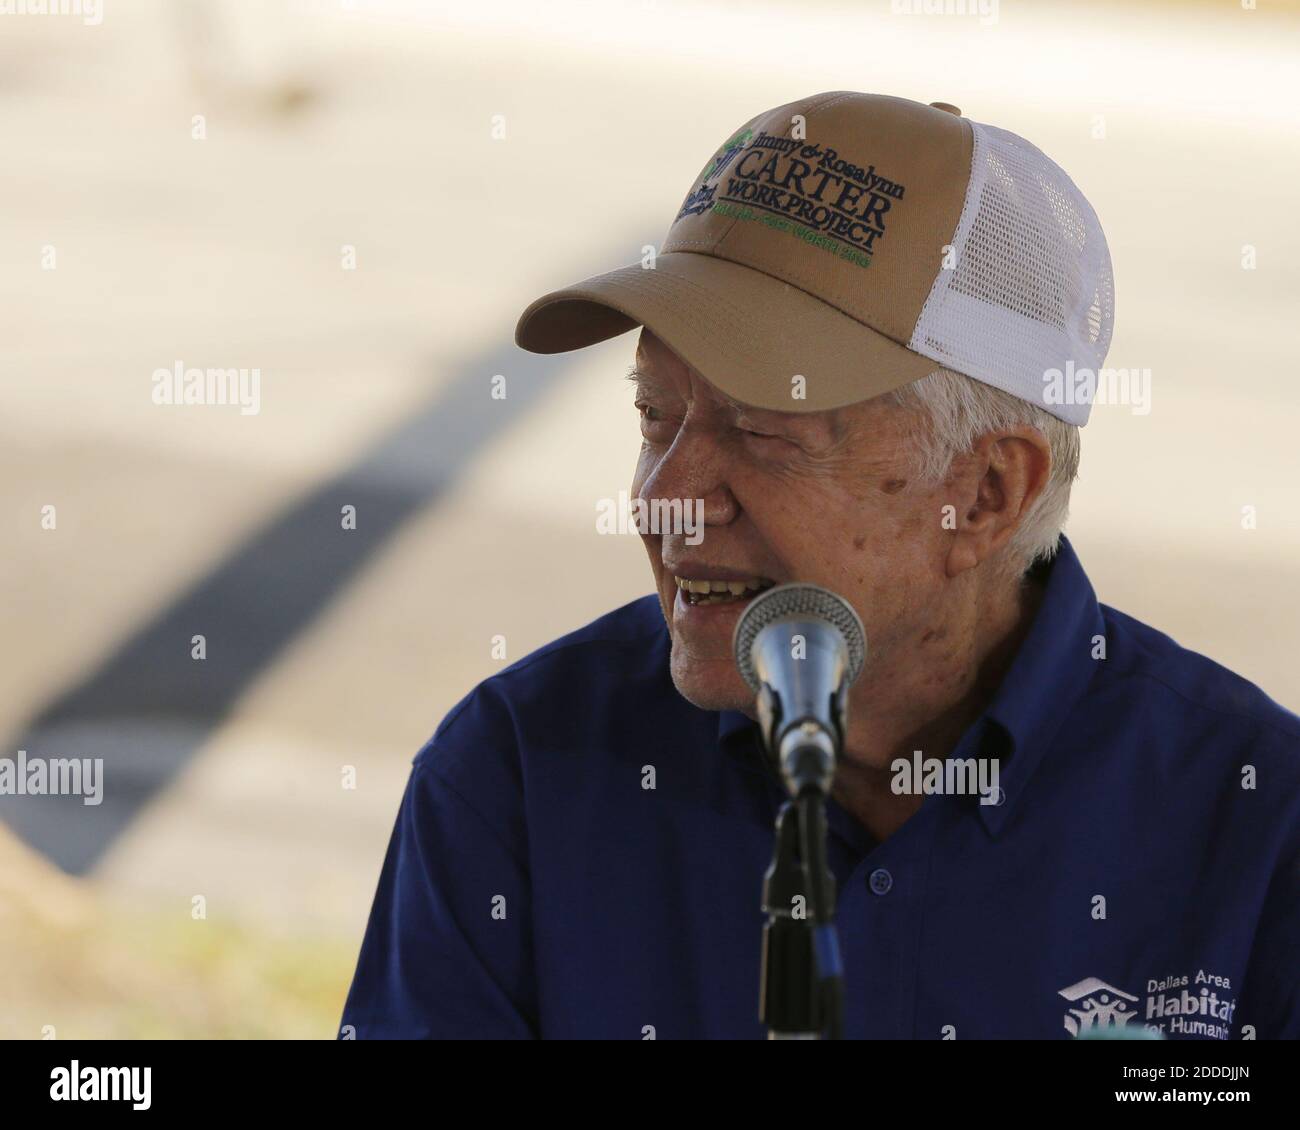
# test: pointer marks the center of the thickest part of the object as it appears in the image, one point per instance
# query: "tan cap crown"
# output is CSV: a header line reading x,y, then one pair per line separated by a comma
x,y
805,268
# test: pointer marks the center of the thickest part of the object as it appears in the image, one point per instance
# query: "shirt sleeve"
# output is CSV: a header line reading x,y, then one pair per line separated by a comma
x,y
447,952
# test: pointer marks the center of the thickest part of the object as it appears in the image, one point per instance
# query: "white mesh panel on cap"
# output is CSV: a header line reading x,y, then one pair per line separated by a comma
x,y
1031,289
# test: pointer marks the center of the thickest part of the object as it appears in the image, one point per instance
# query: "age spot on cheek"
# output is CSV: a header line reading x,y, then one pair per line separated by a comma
x,y
859,541
893,486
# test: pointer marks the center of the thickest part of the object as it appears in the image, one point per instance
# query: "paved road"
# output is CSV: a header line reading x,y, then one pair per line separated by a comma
x,y
325,129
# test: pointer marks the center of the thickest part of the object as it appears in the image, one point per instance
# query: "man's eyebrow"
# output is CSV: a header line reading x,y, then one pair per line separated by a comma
x,y
650,383
835,421
644,380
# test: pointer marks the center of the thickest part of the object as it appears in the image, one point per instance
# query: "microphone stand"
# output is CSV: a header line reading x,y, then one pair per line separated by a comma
x,y
799,648
801,991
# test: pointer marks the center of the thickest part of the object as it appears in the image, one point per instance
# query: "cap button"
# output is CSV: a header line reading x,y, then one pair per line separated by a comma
x,y
948,106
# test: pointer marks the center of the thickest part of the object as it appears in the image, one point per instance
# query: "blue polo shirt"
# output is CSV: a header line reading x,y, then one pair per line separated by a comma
x,y
579,854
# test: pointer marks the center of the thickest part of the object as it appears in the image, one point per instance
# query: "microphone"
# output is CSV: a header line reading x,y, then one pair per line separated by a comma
x,y
800,647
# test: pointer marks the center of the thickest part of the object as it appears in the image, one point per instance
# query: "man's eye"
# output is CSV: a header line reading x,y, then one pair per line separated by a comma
x,y
657,426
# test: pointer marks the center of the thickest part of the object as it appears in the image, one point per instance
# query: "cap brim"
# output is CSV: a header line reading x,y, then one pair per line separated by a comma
x,y
745,332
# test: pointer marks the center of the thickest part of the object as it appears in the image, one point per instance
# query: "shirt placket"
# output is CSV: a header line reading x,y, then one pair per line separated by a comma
x,y
879,914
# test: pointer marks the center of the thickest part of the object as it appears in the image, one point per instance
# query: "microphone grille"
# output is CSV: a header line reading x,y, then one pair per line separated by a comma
x,y
808,601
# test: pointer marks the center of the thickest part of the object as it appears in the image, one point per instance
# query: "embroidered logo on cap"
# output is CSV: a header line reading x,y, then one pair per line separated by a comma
x,y
799,187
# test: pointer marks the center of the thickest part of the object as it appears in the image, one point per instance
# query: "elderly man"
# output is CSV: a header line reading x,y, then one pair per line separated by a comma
x,y
867,347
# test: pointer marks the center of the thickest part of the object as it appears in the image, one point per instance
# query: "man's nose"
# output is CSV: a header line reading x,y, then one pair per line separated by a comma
x,y
694,467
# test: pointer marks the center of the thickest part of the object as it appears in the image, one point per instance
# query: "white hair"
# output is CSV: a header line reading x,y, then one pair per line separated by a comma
x,y
957,410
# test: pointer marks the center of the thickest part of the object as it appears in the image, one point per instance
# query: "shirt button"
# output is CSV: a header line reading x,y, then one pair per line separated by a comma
x,y
880,881
999,797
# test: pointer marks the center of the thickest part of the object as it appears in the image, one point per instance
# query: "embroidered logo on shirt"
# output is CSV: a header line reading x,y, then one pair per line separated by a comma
x,y
1097,1005
1174,1006
1191,1006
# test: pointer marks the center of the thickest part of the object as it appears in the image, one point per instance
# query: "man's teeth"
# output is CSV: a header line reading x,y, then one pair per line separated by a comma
x,y
716,592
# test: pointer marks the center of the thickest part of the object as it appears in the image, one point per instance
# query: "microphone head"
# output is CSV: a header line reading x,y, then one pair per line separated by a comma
x,y
800,601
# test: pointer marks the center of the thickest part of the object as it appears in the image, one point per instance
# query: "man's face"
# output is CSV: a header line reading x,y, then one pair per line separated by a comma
x,y
819,497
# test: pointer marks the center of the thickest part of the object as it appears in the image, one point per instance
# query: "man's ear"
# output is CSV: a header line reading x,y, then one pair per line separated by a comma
x,y
1008,470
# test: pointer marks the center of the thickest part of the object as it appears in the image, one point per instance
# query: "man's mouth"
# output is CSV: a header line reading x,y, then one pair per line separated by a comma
x,y
700,591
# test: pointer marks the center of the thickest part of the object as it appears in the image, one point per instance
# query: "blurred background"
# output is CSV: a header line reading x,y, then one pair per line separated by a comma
x,y
358,199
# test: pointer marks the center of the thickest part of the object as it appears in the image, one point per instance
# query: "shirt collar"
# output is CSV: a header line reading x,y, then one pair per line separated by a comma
x,y
1048,676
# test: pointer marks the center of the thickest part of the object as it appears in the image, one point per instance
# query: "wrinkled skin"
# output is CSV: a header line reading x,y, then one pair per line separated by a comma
x,y
827,498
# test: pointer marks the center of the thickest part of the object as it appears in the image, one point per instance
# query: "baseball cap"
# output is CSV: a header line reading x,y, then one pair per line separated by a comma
x,y
844,245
